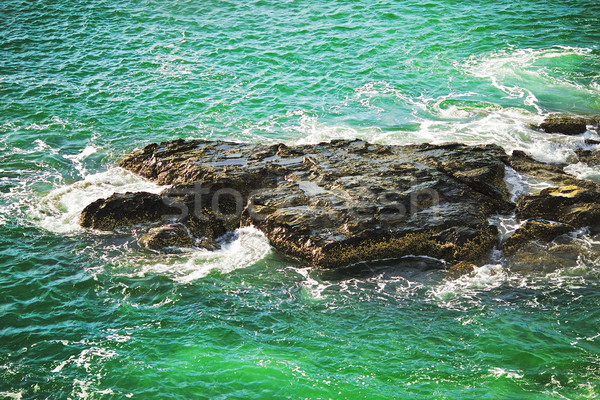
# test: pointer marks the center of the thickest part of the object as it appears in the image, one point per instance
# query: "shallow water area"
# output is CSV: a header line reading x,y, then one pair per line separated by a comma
x,y
90,315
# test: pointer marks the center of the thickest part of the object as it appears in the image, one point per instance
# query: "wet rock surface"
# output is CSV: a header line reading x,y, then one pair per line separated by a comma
x,y
553,174
340,203
167,236
534,230
125,209
590,158
536,257
461,268
566,125
572,205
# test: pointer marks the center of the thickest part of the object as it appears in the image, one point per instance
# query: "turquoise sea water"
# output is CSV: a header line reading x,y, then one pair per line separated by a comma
x,y
85,315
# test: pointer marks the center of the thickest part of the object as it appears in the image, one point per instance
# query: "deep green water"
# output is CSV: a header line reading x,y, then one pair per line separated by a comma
x,y
84,315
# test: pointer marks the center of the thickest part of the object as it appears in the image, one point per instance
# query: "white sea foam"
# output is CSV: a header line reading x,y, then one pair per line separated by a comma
x,y
59,210
508,127
312,287
40,147
312,131
586,266
456,106
531,84
249,247
583,171
77,159
87,359
54,122
449,118
515,183
519,184
12,395
523,74
507,224
465,117
367,93
483,278
498,372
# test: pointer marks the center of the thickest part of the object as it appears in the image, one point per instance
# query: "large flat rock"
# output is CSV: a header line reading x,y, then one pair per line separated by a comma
x,y
339,203
331,204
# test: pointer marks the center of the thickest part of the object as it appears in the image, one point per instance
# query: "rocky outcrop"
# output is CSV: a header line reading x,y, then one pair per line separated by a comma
x,y
572,205
534,230
167,236
566,125
333,204
589,157
126,209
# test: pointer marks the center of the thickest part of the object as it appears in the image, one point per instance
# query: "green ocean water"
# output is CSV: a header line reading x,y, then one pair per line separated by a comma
x,y
89,315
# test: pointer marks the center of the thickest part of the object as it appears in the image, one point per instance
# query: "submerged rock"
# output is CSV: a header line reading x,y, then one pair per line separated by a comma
x,y
524,163
330,204
553,173
537,257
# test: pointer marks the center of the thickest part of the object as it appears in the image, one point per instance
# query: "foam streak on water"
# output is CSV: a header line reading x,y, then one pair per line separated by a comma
x,y
248,246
